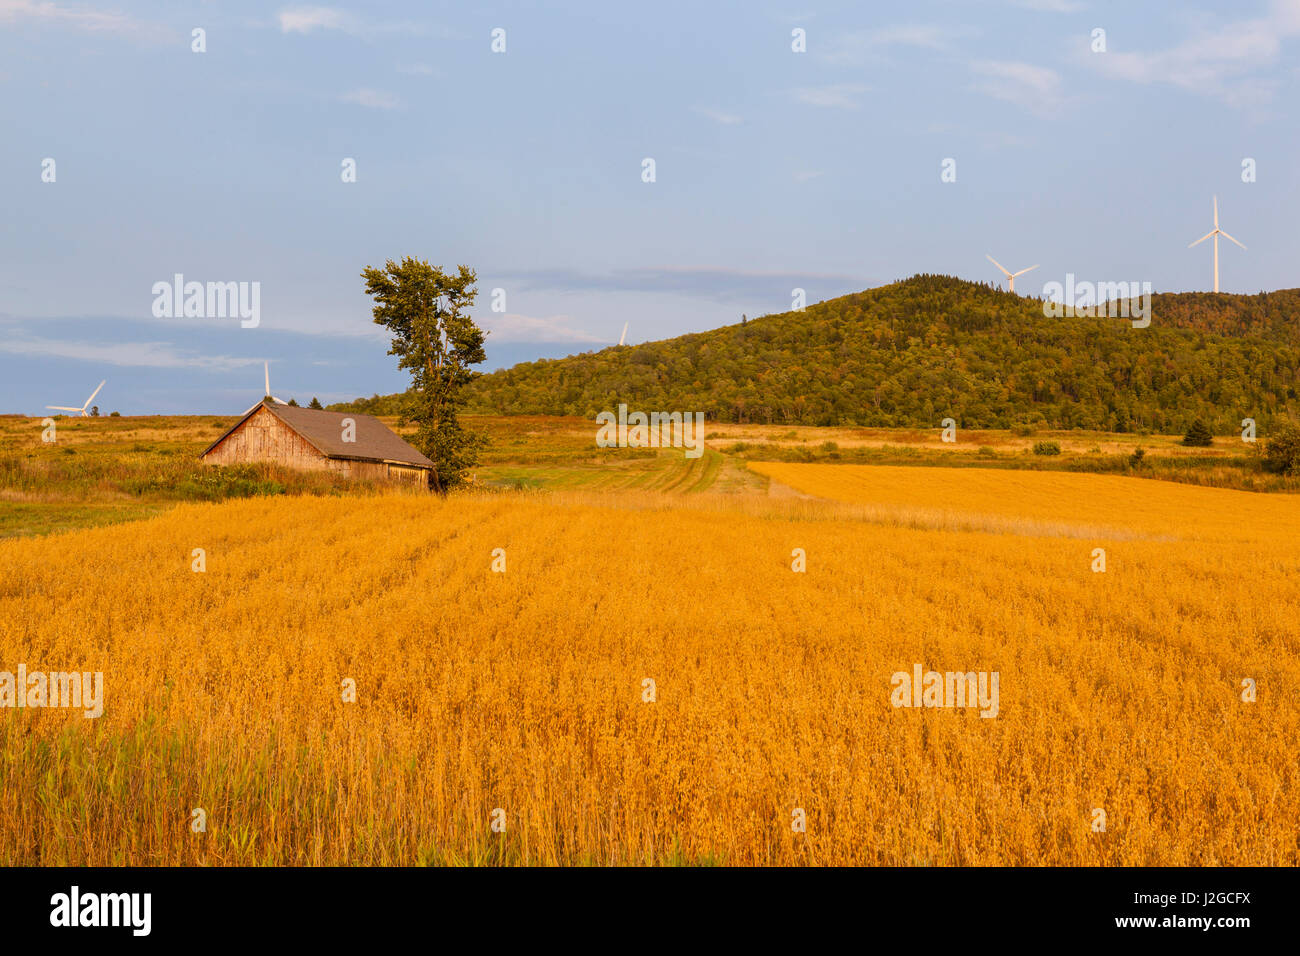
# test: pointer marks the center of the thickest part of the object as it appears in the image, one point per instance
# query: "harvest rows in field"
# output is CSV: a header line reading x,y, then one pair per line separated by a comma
x,y
524,691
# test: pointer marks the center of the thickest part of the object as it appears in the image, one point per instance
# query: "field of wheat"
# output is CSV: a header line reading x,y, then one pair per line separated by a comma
x,y
649,681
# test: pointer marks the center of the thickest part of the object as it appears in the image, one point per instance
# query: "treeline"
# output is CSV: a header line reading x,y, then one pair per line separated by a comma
x,y
914,352
375,405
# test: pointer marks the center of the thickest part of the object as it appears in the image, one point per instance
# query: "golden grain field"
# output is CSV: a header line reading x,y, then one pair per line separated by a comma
x,y
524,690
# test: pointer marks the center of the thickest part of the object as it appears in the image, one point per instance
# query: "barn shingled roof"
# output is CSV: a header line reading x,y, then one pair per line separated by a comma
x,y
324,431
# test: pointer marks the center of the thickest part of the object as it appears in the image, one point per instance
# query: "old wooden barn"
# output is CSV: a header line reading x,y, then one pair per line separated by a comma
x,y
356,446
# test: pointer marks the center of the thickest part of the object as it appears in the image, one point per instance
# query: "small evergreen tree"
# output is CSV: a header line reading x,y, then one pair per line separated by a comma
x,y
293,402
315,403
1198,435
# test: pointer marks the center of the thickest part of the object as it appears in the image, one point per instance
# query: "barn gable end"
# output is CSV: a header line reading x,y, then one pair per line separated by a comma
x,y
313,440
264,437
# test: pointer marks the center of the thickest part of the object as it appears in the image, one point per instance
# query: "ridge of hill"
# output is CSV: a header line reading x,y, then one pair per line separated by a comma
x,y
913,352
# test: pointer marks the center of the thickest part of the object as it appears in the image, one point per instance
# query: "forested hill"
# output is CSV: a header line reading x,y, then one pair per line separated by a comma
x,y
930,347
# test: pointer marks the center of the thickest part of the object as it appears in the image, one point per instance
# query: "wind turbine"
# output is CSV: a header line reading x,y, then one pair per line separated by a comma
x,y
1216,233
624,335
82,409
266,367
1011,276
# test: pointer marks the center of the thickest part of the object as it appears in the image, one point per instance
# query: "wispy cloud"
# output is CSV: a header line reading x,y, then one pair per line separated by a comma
x,y
307,19
512,327
77,18
860,45
372,99
127,354
717,283
310,19
841,96
724,119
1226,61
805,175
1052,6
1034,88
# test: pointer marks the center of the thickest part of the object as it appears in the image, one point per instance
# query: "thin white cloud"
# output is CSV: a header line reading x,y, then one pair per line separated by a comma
x,y
842,96
1052,6
719,284
310,19
512,327
723,119
307,19
859,45
1034,88
372,99
1226,61
805,175
76,17
127,354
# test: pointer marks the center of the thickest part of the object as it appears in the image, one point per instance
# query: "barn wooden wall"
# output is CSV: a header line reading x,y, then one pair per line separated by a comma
x,y
408,475
265,438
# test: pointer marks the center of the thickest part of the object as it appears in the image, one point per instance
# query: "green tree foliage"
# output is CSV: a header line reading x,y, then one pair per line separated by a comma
x,y
1047,448
1198,435
374,405
1282,449
913,352
315,403
425,310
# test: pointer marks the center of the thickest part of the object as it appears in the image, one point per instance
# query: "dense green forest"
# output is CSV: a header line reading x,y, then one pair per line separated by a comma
x,y
930,347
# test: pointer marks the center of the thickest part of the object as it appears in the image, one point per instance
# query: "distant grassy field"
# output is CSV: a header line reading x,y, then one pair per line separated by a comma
x,y
107,470
1228,463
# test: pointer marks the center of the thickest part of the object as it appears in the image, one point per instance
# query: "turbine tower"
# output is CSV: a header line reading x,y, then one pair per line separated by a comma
x,y
1011,276
624,335
266,367
83,409
1216,233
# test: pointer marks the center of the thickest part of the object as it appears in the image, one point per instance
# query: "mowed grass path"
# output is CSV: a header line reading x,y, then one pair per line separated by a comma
x,y
527,690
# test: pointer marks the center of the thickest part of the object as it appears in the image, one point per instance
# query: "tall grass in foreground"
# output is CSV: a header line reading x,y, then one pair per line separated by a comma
x,y
524,690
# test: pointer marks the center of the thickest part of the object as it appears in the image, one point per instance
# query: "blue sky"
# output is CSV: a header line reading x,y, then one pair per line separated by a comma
x,y
773,169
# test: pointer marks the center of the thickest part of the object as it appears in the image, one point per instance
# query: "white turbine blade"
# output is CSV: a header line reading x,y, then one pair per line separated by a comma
x,y
1023,271
1203,238
62,408
1229,238
998,264
94,393
622,338
1216,212
266,367
279,400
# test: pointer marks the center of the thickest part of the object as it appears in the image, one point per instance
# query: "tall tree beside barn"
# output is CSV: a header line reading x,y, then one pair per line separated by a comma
x,y
425,310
